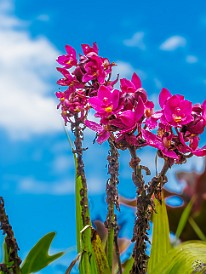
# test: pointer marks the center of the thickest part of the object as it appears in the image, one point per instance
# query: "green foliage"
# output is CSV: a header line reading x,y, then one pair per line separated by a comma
x,y
160,236
128,265
38,257
188,257
197,229
100,256
184,218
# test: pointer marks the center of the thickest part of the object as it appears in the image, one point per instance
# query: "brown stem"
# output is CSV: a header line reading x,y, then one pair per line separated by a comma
x,y
78,132
10,241
86,234
141,221
144,200
112,202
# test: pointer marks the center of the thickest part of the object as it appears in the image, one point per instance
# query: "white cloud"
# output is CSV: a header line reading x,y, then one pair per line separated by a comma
x,y
27,67
125,70
32,186
173,43
63,163
191,59
137,40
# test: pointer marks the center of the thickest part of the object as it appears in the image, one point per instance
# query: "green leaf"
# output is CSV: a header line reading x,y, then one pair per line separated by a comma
x,y
38,256
188,257
79,223
184,218
160,236
100,256
127,265
197,229
5,253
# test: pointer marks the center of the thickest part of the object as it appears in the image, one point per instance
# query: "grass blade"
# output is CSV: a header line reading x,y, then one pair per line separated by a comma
x,y
184,218
160,236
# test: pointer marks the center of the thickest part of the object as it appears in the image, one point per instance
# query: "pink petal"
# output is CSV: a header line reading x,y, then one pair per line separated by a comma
x,y
104,92
136,81
200,152
170,153
104,136
164,96
139,111
94,126
204,110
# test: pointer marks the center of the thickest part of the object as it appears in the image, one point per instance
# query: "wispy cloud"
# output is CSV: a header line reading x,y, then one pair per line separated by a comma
x,y
30,185
27,66
125,70
137,40
191,59
173,43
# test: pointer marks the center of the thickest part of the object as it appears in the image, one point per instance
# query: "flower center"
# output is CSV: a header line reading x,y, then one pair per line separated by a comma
x,y
108,109
177,118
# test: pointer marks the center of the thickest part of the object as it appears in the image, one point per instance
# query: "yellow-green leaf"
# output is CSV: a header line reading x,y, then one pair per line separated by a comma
x,y
160,236
99,253
188,257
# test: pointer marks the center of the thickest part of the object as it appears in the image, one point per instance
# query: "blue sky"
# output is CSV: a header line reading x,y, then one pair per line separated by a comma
x,y
163,41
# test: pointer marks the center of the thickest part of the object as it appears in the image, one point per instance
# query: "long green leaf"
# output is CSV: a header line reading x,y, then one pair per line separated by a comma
x,y
160,236
100,255
184,218
79,223
88,262
38,257
128,265
188,257
197,229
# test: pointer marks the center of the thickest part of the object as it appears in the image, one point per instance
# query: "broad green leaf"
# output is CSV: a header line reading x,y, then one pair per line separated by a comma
x,y
188,257
38,256
127,266
5,253
160,236
184,218
197,229
99,253
87,263
79,223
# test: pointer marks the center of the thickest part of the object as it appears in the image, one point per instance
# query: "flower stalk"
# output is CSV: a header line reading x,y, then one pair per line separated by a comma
x,y
112,202
142,217
11,244
86,233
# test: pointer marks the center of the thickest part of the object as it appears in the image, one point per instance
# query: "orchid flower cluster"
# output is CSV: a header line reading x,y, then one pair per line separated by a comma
x,y
127,119
126,115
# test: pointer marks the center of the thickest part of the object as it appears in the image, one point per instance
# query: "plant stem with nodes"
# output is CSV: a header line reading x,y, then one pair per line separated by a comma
x,y
86,233
10,242
145,205
112,201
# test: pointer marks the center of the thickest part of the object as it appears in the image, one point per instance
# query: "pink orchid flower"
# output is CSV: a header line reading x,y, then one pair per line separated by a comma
x,y
176,111
106,102
69,60
102,131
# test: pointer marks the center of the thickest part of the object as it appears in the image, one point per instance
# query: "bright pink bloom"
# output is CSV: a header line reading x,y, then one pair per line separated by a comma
x,y
129,120
94,70
102,131
87,49
69,80
193,145
176,110
106,102
69,60
131,91
161,143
